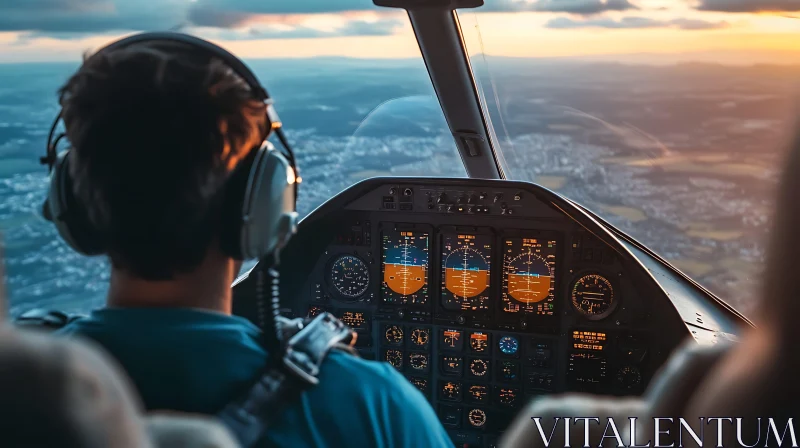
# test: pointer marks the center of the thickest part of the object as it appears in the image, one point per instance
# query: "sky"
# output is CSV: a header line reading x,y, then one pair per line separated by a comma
x,y
734,31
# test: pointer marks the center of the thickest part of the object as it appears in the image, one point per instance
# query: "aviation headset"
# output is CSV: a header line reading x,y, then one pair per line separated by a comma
x,y
262,191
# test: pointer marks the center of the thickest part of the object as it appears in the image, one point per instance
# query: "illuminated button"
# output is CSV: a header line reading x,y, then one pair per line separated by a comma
x,y
452,365
452,340
314,311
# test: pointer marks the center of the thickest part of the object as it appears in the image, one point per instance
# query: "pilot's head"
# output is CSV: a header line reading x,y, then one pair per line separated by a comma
x,y
156,129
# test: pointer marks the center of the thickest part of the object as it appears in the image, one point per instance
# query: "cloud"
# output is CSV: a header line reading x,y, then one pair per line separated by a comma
x,y
69,18
74,18
749,5
383,27
89,16
580,7
635,23
585,7
285,6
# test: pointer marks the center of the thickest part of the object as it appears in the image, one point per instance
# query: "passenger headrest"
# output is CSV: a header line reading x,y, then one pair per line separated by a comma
x,y
61,393
66,393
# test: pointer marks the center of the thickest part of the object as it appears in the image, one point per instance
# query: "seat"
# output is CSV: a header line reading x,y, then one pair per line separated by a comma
x,y
65,393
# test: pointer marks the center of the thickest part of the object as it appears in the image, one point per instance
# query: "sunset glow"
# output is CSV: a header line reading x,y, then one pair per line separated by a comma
x,y
654,28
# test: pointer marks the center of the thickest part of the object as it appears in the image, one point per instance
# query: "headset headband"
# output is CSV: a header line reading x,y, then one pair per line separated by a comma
x,y
235,64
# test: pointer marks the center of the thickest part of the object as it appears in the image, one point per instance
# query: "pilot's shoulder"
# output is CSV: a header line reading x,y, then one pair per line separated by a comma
x,y
367,376
384,396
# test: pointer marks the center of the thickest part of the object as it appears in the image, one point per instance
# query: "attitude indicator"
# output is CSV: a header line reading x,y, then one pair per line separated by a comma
x,y
466,264
405,267
529,267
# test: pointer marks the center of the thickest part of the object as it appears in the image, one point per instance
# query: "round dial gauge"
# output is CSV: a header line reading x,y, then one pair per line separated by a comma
x,y
395,358
394,334
418,361
477,418
349,277
508,345
420,336
593,296
478,367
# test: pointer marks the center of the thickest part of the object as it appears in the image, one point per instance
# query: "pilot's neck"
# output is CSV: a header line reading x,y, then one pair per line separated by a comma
x,y
207,288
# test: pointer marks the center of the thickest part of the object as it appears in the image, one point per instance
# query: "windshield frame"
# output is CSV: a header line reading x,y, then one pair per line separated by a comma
x,y
441,42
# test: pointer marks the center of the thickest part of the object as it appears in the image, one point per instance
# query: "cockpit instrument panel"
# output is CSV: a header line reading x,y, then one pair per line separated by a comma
x,y
529,276
404,267
466,268
483,296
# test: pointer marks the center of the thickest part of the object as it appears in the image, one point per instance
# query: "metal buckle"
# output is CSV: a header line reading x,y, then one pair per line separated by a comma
x,y
301,365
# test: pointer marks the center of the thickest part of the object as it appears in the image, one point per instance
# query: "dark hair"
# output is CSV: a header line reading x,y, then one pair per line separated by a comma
x,y
156,129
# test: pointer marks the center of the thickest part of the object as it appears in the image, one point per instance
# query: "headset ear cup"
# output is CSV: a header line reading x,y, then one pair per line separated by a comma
x,y
268,214
67,214
234,196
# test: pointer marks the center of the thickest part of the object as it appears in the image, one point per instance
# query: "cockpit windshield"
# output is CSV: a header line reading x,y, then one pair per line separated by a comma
x,y
347,78
664,117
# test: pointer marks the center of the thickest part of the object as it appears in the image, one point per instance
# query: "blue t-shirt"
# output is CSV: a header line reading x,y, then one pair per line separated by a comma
x,y
198,361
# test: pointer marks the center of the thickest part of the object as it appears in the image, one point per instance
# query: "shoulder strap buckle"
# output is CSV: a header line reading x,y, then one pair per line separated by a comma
x,y
48,319
307,348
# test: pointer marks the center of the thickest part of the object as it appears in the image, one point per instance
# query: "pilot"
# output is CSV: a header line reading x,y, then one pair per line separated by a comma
x,y
157,129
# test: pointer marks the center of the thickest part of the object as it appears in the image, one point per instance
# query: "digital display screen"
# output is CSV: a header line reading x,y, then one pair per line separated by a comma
x,y
529,275
354,319
466,272
587,371
588,340
405,267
